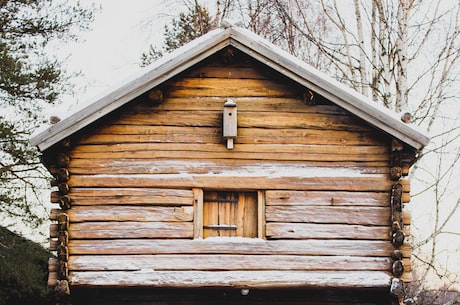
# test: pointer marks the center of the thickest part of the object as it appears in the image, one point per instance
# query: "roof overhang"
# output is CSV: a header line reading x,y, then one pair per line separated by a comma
x,y
192,53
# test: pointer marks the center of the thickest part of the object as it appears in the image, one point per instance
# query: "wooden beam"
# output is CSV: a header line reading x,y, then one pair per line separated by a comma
x,y
373,216
227,262
375,248
233,182
276,230
198,212
127,213
239,279
129,229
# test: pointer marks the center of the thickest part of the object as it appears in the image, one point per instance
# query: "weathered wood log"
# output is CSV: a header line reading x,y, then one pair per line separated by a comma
x,y
66,143
62,238
366,248
63,175
62,253
395,172
198,196
54,182
54,197
376,184
252,279
244,151
397,255
309,98
397,288
226,262
223,166
398,238
155,96
131,196
65,202
405,198
249,119
327,198
52,264
325,231
63,160
191,134
64,188
405,169
406,117
54,119
377,216
62,289
128,213
63,222
62,270
397,268
130,229
52,279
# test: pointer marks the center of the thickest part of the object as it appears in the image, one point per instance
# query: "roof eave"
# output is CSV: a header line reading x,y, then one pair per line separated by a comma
x,y
255,46
160,71
343,96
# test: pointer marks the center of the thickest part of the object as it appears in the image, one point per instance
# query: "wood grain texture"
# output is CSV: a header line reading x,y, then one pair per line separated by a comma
x,y
226,262
278,230
194,166
251,279
131,196
377,216
366,184
127,213
328,198
127,229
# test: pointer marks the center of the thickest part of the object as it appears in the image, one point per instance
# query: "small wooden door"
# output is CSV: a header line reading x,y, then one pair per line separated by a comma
x,y
229,213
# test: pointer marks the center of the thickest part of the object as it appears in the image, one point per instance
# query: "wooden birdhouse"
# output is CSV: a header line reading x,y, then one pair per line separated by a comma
x,y
165,193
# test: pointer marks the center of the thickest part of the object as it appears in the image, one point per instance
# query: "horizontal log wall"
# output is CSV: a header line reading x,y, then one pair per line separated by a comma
x,y
324,173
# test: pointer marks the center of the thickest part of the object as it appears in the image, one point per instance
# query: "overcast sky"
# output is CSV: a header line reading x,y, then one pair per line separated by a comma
x,y
110,52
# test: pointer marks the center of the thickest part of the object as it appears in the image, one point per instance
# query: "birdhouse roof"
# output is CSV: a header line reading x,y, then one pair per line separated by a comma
x,y
255,46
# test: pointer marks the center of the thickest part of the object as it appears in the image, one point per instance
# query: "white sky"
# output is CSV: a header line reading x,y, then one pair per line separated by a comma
x,y
111,51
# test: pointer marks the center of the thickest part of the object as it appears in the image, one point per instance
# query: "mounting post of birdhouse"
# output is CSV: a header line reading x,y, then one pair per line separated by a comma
x,y
230,122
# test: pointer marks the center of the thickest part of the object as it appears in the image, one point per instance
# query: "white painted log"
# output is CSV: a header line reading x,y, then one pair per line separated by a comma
x,y
251,279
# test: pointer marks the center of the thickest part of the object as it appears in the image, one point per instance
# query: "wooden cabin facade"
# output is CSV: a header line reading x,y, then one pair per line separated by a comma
x,y
230,172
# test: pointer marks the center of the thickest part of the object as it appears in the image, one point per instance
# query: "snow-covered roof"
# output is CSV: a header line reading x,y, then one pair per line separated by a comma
x,y
256,47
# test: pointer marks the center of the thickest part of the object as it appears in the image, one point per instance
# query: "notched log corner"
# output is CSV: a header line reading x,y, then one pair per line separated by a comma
x,y
155,96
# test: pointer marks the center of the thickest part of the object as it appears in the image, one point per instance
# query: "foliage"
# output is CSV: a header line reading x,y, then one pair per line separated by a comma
x,y
30,80
23,271
188,26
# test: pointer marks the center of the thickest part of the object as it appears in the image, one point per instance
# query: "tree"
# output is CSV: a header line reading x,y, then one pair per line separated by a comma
x,y
188,26
30,80
23,271
403,54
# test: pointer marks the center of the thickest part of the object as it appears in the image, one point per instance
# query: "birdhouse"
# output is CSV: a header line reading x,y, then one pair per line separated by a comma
x,y
230,122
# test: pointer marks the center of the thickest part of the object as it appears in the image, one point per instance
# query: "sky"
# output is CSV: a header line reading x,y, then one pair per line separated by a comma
x,y
110,52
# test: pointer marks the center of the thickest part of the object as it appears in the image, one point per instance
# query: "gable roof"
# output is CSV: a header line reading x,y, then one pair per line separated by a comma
x,y
256,47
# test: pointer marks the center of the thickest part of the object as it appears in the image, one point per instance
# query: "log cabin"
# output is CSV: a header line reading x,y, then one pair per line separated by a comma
x,y
230,172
